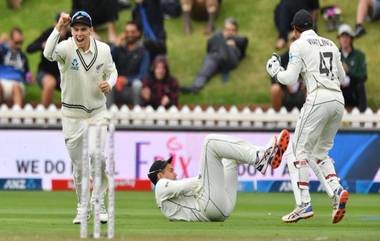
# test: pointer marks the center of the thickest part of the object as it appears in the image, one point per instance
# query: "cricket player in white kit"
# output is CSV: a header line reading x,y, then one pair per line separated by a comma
x,y
318,62
87,74
211,196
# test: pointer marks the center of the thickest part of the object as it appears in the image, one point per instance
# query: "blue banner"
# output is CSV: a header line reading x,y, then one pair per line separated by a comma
x,y
20,184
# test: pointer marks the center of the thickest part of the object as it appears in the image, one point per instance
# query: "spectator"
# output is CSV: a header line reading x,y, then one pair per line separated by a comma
x,y
149,16
15,4
171,8
160,87
132,63
370,8
284,13
225,50
48,77
102,12
355,66
14,69
200,10
3,38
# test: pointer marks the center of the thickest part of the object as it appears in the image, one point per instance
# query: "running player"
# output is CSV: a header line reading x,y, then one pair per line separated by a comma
x,y
87,74
317,60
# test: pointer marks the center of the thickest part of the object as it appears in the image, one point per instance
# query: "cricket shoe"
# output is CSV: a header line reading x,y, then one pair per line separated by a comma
x,y
78,217
273,152
103,214
300,212
339,204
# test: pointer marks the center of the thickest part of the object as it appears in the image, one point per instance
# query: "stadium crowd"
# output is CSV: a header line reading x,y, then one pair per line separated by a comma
x,y
140,52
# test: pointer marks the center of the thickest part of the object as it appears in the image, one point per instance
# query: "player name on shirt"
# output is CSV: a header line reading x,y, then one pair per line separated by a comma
x,y
319,42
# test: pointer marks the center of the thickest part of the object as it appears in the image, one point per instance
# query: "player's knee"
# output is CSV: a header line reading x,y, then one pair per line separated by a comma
x,y
211,139
327,168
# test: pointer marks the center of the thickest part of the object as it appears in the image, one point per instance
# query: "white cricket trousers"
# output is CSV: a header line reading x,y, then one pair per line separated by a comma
x,y
73,130
316,129
220,157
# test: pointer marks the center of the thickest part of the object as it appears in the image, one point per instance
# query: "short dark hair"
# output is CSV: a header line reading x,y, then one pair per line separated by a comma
x,y
233,21
132,22
15,30
302,21
157,167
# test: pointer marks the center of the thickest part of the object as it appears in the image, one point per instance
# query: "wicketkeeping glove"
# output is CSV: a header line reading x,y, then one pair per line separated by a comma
x,y
274,65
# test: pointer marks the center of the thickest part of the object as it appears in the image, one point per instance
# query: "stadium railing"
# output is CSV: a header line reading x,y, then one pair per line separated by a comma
x,y
183,118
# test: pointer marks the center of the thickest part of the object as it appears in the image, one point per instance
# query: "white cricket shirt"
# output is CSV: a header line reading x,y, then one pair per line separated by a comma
x,y
179,199
80,74
318,61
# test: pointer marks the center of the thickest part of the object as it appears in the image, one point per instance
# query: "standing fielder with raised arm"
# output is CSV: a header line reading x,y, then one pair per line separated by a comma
x,y
87,74
318,61
211,196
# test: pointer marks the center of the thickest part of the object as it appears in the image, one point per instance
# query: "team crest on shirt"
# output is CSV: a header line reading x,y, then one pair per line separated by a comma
x,y
74,65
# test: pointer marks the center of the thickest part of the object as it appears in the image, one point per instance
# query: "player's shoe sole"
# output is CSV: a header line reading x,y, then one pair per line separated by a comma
x,y
338,214
299,218
298,214
282,144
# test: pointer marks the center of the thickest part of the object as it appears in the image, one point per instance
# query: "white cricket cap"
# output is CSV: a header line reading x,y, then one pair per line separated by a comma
x,y
345,28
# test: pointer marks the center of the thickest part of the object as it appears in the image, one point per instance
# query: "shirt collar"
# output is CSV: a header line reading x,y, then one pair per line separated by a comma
x,y
91,49
309,32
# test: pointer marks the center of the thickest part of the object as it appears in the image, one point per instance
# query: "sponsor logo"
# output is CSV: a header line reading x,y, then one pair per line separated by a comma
x,y
74,65
120,185
20,184
286,187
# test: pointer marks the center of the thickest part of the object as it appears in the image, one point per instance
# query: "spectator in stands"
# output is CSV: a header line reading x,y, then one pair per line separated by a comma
x,y
15,4
225,50
14,69
3,38
284,13
48,77
291,96
354,63
200,10
171,8
160,87
370,8
102,12
132,63
149,16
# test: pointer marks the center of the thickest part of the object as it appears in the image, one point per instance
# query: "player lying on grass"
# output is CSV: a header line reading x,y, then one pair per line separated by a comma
x,y
211,196
318,61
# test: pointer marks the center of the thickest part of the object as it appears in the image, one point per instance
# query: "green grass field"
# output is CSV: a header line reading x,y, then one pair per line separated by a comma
x,y
248,85
48,215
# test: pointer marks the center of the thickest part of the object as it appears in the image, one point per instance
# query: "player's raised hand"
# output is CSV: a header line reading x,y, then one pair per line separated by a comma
x,y
274,65
63,22
104,86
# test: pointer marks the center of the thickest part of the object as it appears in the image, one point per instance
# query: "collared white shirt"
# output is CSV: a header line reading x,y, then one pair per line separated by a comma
x,y
80,74
318,61
179,200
